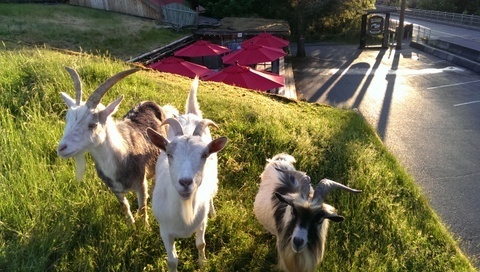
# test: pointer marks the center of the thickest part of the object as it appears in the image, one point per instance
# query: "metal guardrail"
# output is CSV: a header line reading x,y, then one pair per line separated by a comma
x,y
418,33
447,17
421,34
442,16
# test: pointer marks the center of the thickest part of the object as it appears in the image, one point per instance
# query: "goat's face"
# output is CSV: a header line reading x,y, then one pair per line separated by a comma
x,y
85,128
187,156
303,224
186,160
86,122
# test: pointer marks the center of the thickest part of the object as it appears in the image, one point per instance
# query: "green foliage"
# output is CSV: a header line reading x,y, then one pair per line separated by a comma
x,y
316,20
455,6
49,221
441,5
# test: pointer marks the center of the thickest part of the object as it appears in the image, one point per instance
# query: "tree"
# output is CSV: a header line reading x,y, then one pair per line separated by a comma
x,y
307,18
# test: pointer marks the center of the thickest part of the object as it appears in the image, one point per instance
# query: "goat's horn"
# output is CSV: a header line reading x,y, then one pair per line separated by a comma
x,y
95,97
200,128
303,180
77,83
174,125
325,186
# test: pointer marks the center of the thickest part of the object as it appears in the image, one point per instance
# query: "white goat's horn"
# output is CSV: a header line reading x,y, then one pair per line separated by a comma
x,y
95,97
325,186
200,128
174,125
303,180
77,83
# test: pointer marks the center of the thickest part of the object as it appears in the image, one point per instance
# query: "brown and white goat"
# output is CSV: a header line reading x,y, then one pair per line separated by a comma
x,y
288,207
124,157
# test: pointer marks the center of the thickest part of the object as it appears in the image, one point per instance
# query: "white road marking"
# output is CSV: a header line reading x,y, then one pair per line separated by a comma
x,y
467,103
452,85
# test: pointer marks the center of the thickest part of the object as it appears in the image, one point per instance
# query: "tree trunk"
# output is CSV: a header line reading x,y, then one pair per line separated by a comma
x,y
301,53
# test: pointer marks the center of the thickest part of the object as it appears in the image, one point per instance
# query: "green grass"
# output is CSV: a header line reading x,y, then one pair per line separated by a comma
x,y
81,29
50,221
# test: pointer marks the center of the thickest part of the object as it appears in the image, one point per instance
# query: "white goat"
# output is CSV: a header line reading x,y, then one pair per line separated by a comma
x,y
186,178
288,207
124,157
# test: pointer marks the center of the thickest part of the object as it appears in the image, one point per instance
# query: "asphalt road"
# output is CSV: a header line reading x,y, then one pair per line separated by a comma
x,y
426,111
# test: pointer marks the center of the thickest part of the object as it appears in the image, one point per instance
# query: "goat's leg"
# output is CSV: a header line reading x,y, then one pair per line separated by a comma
x,y
169,243
200,242
211,212
125,206
142,196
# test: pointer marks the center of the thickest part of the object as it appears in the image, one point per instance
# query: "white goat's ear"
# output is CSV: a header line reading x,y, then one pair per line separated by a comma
x,y
110,109
68,100
157,139
217,144
80,164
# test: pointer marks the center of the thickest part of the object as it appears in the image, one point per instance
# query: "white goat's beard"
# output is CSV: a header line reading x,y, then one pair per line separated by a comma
x,y
80,163
187,211
297,261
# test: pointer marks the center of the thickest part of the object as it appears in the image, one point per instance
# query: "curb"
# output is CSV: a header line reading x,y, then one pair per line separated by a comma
x,y
442,54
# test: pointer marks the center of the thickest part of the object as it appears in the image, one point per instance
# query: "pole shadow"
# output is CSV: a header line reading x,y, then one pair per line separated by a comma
x,y
331,81
387,99
345,87
368,81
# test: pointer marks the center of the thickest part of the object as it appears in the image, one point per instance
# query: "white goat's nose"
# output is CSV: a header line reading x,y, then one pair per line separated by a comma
x,y
185,182
62,147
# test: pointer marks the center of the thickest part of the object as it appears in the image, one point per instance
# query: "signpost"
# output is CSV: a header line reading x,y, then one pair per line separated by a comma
x,y
374,23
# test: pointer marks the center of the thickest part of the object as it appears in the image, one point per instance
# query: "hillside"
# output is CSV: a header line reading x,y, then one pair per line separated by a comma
x,y
50,221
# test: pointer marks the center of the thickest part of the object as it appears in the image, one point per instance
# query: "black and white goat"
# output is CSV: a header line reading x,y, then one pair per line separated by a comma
x,y
124,157
186,178
288,207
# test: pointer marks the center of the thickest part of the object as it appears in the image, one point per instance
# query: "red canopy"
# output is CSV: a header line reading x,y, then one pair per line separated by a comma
x,y
201,48
247,77
180,67
253,54
267,39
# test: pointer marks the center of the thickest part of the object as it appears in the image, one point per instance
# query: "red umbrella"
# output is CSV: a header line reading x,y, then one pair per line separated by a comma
x,y
253,54
181,67
247,77
266,39
201,48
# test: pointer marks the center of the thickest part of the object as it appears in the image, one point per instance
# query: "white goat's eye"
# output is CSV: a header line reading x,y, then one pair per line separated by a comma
x,y
92,126
205,155
169,155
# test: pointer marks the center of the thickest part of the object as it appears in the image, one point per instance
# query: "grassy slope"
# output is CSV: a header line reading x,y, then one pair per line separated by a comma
x,y
50,221
81,29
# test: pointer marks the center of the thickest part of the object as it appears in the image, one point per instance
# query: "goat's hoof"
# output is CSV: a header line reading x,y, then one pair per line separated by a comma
x,y
131,221
172,266
202,262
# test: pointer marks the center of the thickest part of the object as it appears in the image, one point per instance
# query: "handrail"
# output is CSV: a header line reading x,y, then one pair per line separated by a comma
x,y
448,17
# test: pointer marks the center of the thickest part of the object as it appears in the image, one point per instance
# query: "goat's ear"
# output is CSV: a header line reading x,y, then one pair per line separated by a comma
x,y
217,144
335,217
157,139
110,109
287,199
68,100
